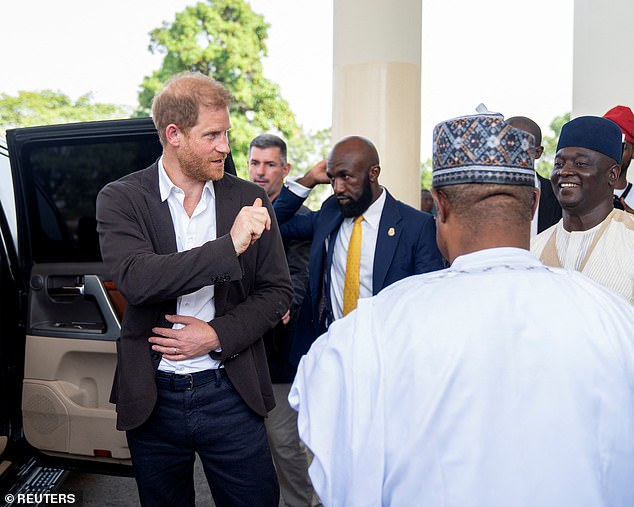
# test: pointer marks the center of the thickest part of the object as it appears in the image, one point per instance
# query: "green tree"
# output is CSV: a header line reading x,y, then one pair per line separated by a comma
x,y
308,149
304,152
48,107
545,163
425,174
227,40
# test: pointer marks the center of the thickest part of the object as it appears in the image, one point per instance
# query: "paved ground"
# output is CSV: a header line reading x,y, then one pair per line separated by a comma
x,y
105,491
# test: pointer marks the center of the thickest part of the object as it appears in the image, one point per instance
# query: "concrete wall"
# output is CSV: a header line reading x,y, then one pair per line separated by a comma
x,y
376,85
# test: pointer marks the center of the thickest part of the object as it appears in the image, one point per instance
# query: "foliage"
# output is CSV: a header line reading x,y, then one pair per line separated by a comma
x,y
545,163
425,173
48,107
227,40
303,153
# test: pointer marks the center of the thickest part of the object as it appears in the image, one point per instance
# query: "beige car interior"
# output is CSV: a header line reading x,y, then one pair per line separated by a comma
x,y
67,381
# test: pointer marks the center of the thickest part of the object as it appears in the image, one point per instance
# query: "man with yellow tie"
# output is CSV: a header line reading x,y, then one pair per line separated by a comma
x,y
362,238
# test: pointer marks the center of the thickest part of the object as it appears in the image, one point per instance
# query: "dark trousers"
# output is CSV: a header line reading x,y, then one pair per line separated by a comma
x,y
202,414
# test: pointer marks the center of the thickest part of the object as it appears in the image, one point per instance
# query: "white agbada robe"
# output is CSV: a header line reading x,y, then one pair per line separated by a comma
x,y
604,253
496,382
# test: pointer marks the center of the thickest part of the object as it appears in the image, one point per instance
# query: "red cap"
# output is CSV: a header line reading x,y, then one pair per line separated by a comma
x,y
624,118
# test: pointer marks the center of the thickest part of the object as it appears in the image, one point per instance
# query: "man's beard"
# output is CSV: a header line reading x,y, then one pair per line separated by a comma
x,y
355,208
196,167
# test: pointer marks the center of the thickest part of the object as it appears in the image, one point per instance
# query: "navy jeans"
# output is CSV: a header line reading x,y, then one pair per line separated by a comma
x,y
212,420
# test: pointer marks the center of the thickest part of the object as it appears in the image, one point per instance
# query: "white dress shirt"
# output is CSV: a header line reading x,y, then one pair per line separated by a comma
x,y
190,233
629,198
369,234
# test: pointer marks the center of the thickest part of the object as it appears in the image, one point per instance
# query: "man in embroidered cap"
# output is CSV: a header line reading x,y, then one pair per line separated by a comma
x,y
495,382
592,236
623,195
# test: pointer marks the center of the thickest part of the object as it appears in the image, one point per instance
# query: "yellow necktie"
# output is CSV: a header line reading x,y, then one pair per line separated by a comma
x,y
353,264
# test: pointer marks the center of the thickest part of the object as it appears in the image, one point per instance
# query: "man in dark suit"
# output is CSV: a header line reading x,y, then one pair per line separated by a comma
x,y
268,166
396,240
548,211
200,260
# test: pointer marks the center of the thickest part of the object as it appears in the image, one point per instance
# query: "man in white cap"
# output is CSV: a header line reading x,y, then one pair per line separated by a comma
x,y
446,390
592,236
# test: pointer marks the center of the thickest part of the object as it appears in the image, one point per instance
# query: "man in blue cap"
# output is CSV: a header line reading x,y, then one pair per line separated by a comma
x,y
592,236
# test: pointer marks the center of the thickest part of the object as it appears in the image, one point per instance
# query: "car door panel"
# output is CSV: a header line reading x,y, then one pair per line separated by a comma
x,y
65,398
70,361
73,310
70,300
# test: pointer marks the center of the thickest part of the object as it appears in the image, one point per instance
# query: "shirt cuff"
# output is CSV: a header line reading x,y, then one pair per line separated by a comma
x,y
297,188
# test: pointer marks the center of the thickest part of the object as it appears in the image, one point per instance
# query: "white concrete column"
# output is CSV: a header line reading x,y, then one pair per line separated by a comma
x,y
377,85
603,63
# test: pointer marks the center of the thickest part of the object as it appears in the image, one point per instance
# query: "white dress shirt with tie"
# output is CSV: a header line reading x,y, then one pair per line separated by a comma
x,y
370,232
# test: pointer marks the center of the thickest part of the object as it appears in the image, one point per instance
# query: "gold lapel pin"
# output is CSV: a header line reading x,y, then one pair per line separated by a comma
x,y
391,231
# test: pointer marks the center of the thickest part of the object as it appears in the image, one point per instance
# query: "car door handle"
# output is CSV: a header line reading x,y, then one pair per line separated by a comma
x,y
72,291
93,286
62,321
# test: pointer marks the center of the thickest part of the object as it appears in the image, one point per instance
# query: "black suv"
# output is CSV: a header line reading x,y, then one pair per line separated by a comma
x,y
59,310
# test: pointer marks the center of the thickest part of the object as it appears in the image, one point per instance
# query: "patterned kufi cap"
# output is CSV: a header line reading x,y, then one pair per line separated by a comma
x,y
482,148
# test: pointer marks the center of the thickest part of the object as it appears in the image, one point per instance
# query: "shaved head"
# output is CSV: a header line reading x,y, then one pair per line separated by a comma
x,y
527,125
480,204
360,146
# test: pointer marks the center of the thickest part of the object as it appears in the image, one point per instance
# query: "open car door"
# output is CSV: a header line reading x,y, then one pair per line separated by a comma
x,y
11,328
72,310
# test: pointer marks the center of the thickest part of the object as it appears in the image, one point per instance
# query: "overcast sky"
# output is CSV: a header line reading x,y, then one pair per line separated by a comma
x,y
516,57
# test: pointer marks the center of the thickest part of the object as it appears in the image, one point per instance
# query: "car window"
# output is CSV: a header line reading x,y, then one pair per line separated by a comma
x,y
66,179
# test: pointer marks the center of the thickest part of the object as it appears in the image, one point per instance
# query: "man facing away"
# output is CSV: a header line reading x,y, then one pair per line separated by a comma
x,y
624,118
548,212
592,236
200,260
445,390
268,166
362,238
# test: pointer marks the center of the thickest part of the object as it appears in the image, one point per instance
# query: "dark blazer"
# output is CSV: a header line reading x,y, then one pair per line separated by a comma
x,y
549,209
406,245
278,340
252,291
